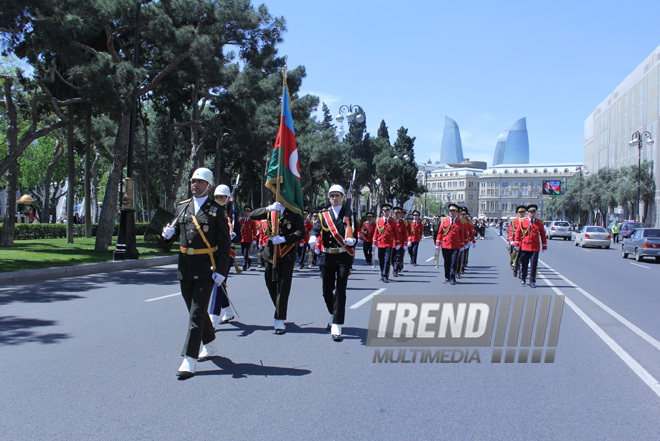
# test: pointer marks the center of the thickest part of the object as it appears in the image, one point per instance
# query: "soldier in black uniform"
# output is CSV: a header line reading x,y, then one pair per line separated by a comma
x,y
292,231
204,260
333,227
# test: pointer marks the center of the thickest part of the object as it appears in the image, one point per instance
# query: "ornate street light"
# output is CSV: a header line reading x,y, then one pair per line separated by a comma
x,y
638,141
349,113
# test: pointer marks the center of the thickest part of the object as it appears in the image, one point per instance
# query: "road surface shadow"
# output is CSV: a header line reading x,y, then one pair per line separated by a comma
x,y
244,370
18,330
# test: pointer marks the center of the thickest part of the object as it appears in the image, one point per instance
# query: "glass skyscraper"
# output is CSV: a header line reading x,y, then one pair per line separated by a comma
x,y
451,151
513,145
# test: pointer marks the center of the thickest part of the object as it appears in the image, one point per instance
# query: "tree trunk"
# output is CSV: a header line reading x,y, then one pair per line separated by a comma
x,y
88,170
146,188
170,194
95,185
110,200
50,169
9,222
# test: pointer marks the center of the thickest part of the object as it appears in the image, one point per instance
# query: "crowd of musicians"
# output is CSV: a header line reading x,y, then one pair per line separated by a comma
x,y
285,238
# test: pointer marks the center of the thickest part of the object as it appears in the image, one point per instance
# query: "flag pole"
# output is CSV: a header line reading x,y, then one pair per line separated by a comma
x,y
275,214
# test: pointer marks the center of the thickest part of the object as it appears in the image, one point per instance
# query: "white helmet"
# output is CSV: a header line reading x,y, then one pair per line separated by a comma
x,y
336,188
204,174
222,190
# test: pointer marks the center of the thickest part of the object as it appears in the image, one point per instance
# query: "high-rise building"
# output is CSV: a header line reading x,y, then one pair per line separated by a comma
x,y
451,150
513,145
632,106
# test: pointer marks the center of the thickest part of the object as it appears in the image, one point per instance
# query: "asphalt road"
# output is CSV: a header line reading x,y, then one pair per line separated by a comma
x,y
94,357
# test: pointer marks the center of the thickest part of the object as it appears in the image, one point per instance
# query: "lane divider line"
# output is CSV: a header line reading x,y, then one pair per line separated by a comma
x,y
637,368
641,266
163,297
366,299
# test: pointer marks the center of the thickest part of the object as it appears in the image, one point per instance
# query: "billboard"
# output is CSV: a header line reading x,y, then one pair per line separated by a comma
x,y
552,187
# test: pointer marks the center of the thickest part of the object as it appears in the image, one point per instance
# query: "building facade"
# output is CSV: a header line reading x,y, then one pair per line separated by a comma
x,y
452,185
632,106
505,186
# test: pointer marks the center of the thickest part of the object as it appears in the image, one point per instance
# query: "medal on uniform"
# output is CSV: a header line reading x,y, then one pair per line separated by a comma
x,y
205,228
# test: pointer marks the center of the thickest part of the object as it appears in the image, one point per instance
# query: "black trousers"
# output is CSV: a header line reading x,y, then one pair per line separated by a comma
x,y
450,257
398,259
279,291
336,268
525,257
413,248
245,250
302,253
367,247
196,294
384,260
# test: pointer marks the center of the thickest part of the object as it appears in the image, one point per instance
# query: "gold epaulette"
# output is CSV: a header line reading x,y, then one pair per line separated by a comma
x,y
183,202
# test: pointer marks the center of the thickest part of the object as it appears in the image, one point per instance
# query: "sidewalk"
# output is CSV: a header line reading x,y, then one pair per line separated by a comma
x,y
82,270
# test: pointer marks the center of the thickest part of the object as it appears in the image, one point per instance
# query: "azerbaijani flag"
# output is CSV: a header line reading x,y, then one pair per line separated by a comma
x,y
284,161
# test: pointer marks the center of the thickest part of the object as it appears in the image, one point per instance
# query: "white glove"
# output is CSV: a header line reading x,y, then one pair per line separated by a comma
x,y
405,248
396,247
261,247
510,242
312,241
543,251
232,235
409,243
375,245
350,241
474,244
218,278
317,251
517,248
254,242
168,232
276,206
437,247
301,244
278,240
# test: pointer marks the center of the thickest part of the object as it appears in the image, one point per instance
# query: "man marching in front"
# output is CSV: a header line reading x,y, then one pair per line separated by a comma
x,y
204,260
333,228
530,239
451,239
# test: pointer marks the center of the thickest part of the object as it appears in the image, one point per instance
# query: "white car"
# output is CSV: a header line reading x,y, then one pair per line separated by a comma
x,y
558,229
593,236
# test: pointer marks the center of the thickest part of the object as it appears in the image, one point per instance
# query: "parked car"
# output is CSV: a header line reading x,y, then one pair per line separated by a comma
x,y
644,242
558,229
626,229
593,236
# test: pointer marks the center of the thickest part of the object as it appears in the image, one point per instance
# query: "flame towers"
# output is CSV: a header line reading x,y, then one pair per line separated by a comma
x,y
451,150
512,145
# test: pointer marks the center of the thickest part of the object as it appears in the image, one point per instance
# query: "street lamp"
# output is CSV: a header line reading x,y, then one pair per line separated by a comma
x,y
126,247
349,113
638,141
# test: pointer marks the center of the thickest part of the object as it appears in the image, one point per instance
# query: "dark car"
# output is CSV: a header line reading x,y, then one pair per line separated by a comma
x,y
644,242
626,229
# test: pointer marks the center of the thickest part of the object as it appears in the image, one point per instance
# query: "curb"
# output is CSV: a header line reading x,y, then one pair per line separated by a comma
x,y
83,270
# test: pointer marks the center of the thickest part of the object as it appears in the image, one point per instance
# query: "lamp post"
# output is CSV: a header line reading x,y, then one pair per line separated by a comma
x,y
349,113
638,139
126,247
580,168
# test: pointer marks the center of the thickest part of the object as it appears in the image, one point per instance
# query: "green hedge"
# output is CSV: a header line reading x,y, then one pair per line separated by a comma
x,y
53,231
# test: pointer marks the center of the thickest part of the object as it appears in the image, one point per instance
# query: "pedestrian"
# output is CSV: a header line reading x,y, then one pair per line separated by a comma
x,y
367,234
416,231
262,239
220,309
451,240
615,232
202,227
334,232
530,240
291,231
384,239
248,236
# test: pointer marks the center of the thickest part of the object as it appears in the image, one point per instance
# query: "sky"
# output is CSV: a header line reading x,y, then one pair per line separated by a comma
x,y
484,64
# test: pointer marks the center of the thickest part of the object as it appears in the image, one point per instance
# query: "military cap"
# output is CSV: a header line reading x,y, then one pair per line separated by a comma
x,y
531,207
369,213
397,209
387,207
416,213
521,209
247,208
453,207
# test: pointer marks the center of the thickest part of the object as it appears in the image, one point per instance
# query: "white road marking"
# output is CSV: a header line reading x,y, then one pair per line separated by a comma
x,y
637,368
653,342
430,258
163,297
366,299
641,266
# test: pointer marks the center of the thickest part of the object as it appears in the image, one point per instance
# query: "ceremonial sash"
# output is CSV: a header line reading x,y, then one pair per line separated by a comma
x,y
335,233
201,233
